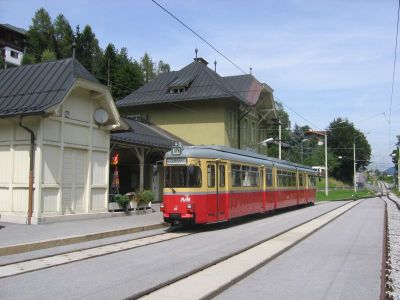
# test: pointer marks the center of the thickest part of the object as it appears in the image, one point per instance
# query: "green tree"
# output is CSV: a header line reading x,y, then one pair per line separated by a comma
x,y
28,59
2,62
147,67
48,55
283,118
64,37
108,65
40,35
341,137
299,145
127,75
163,67
87,48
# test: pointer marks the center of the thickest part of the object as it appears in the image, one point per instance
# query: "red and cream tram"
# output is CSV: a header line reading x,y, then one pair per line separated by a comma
x,y
208,184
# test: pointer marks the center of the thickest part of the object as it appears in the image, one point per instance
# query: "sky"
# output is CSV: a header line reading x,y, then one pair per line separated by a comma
x,y
324,59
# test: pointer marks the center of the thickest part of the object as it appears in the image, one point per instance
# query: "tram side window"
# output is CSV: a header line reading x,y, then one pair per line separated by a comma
x,y
236,175
312,181
211,175
292,179
286,179
254,176
280,178
246,176
182,176
221,176
301,183
268,177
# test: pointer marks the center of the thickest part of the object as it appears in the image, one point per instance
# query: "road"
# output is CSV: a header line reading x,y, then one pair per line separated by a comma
x,y
131,272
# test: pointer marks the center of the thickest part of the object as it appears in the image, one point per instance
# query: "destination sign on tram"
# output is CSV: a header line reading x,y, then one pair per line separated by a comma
x,y
176,161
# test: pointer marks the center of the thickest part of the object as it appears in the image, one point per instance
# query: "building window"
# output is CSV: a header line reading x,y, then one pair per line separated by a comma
x,y
245,129
232,123
14,54
178,90
253,131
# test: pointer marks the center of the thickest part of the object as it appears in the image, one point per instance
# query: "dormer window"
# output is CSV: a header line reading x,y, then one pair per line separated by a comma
x,y
181,84
177,90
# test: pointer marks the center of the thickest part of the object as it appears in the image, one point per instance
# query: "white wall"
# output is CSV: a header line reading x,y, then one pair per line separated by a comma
x,y
13,60
14,171
71,163
75,159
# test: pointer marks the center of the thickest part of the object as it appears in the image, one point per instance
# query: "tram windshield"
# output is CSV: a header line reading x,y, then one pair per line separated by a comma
x,y
182,176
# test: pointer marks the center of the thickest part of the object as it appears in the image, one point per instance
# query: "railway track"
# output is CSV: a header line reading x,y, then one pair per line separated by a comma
x,y
269,245
49,261
224,272
391,259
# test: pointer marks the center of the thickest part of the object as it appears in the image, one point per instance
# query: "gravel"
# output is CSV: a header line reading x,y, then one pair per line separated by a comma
x,y
393,255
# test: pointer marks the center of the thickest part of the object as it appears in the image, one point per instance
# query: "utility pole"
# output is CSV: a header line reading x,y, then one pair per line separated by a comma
x,y
398,161
108,73
301,146
326,163
355,171
280,139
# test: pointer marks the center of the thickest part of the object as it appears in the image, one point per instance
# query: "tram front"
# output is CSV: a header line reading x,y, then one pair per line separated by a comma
x,y
182,187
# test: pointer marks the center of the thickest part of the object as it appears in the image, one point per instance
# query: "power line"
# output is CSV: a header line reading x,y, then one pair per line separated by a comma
x,y
299,115
198,35
219,52
394,68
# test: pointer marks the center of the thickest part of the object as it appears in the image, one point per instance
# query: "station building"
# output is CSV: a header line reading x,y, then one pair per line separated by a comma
x,y
199,106
55,123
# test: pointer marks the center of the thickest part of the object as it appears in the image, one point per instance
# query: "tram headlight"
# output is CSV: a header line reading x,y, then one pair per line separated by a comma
x,y
162,205
189,205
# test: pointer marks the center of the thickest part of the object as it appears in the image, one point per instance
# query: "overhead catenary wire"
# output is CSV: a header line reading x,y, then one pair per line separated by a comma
x,y
394,69
198,35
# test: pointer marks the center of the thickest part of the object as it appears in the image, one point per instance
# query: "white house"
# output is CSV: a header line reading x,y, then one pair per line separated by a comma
x,y
59,117
12,44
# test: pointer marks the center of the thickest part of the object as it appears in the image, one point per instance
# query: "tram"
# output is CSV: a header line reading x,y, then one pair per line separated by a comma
x,y
210,184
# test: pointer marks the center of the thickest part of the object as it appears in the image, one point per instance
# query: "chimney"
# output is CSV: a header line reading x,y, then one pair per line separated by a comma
x,y
201,60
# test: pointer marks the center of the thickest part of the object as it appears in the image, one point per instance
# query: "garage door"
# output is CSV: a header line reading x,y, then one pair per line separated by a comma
x,y
74,180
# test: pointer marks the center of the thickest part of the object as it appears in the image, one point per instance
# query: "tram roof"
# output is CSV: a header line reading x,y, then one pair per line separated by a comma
x,y
223,152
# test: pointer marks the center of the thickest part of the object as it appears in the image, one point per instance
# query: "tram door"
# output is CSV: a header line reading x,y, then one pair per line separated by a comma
x,y
216,192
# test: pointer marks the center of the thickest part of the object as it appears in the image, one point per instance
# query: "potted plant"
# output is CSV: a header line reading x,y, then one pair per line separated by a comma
x,y
123,201
144,198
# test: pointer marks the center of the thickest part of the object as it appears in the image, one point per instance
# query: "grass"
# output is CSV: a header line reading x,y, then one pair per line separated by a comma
x,y
345,190
342,194
332,183
396,192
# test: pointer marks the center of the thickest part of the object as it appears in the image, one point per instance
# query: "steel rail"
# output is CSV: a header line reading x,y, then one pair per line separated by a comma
x,y
235,253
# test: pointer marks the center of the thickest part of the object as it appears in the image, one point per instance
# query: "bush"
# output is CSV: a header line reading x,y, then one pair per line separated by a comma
x,y
122,200
144,197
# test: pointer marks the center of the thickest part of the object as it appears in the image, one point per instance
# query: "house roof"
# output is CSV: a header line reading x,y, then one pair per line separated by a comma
x,y
315,132
246,86
33,89
199,83
143,134
13,28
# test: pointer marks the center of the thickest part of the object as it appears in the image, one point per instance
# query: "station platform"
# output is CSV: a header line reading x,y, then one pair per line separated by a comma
x,y
17,238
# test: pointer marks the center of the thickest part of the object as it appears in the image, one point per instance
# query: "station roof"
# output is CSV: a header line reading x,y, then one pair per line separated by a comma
x,y
143,134
33,89
197,82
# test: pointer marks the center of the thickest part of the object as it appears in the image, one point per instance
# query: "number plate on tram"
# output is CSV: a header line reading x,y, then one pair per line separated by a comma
x,y
176,161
